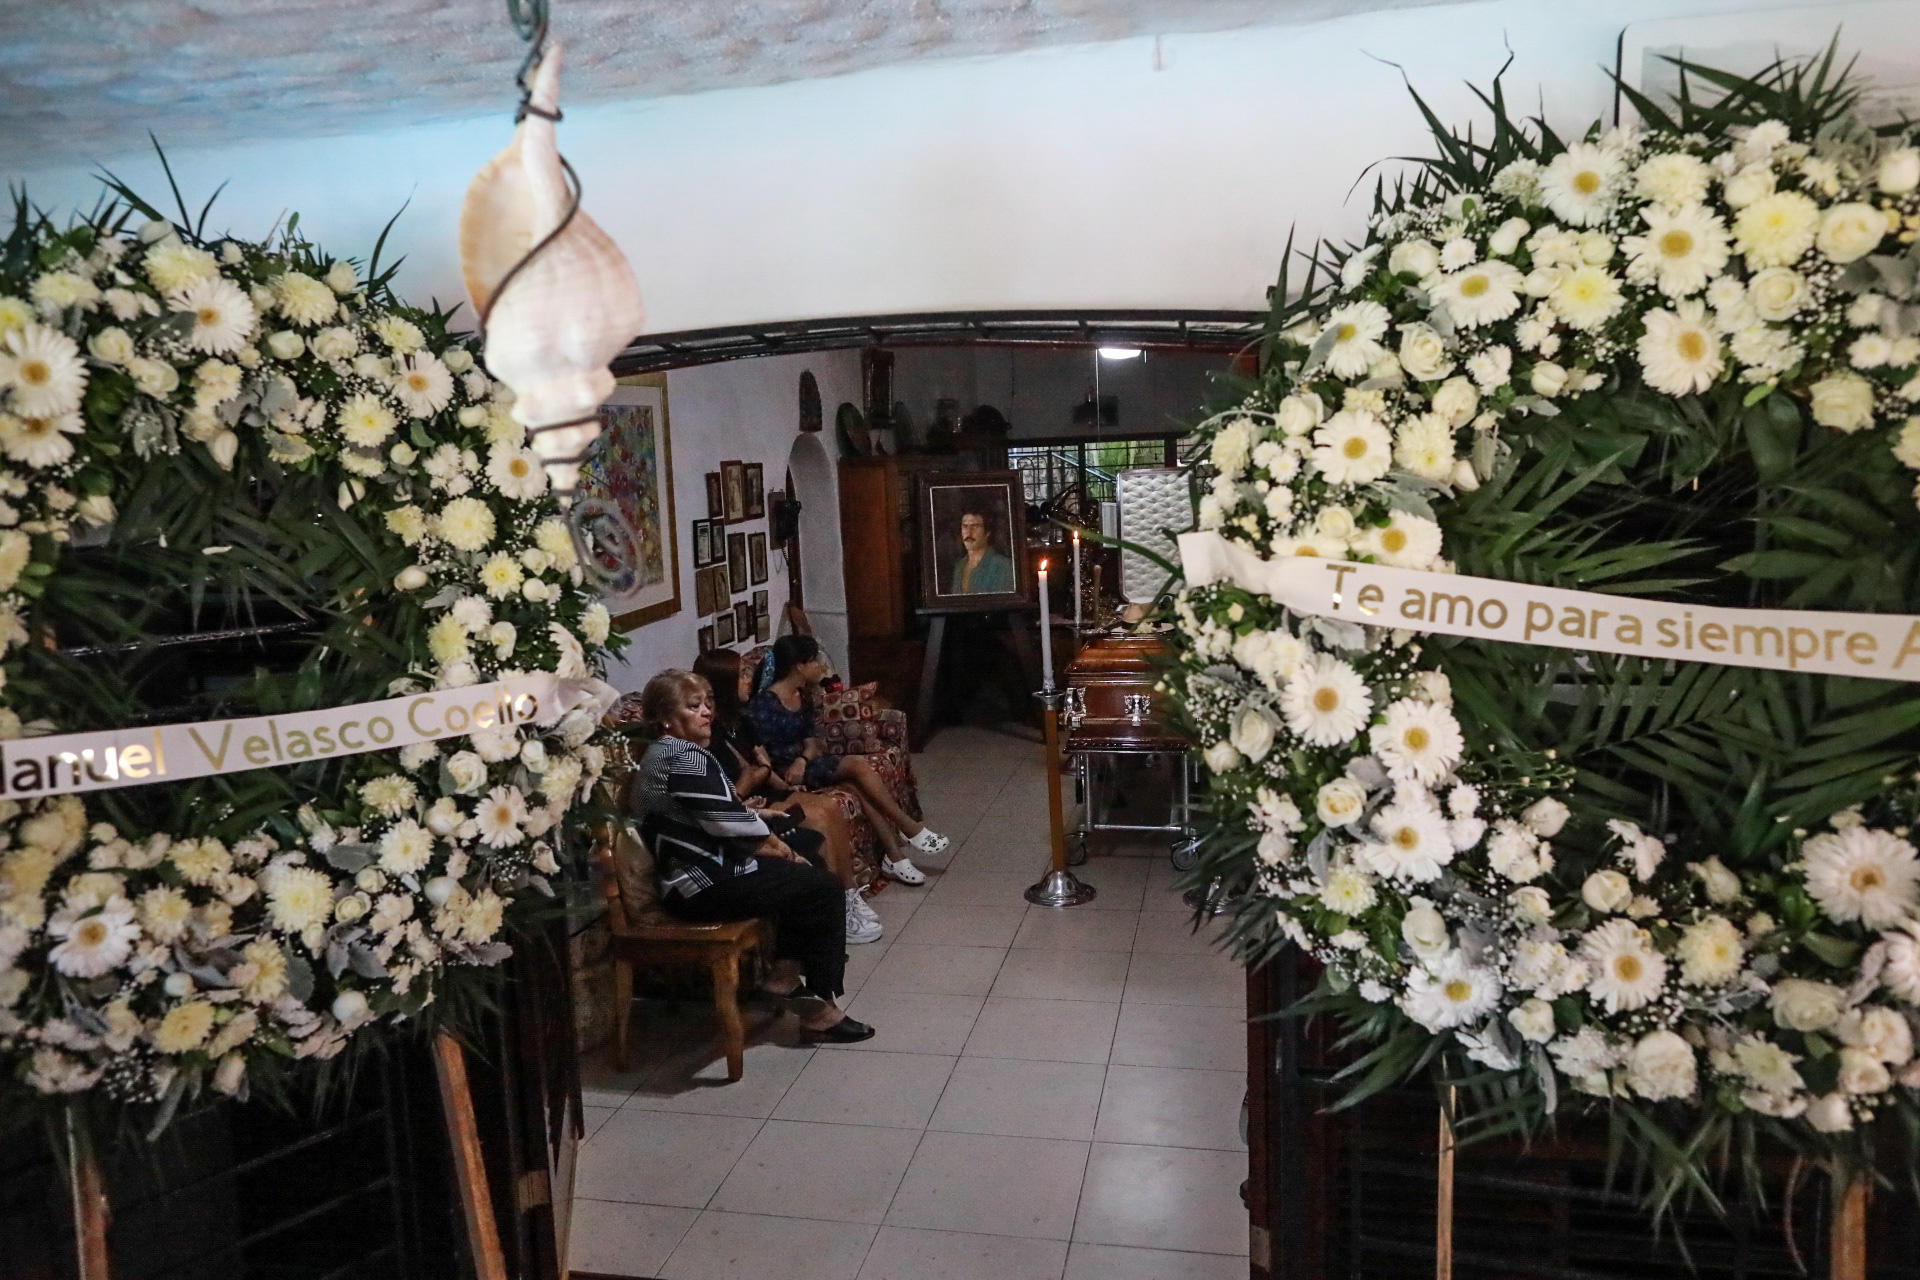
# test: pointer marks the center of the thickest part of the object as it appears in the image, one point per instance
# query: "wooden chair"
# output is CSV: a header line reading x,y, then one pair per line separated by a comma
x,y
645,936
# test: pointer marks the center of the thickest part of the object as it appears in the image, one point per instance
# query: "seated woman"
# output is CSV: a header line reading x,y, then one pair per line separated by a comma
x,y
718,861
783,719
737,747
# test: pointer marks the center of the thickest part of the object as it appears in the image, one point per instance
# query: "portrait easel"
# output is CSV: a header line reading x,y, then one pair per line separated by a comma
x,y
926,702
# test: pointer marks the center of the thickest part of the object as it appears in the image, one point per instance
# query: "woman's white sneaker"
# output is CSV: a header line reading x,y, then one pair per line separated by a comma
x,y
861,925
903,870
860,904
929,841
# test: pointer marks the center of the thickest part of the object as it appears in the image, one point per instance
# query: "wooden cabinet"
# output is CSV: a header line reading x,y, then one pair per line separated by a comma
x,y
877,505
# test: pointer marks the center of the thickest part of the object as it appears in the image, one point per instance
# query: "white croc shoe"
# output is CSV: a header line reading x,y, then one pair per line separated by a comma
x,y
903,870
929,841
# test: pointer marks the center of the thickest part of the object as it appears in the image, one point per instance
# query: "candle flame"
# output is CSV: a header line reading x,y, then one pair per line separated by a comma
x,y
1043,566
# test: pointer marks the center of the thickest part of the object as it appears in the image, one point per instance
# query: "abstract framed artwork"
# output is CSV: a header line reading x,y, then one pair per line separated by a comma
x,y
703,639
973,541
733,487
630,467
737,576
756,491
757,558
716,498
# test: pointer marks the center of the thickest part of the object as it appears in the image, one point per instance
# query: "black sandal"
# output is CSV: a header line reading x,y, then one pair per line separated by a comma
x,y
845,1031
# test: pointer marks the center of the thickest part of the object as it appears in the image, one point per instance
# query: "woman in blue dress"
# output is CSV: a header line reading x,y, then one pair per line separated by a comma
x,y
783,718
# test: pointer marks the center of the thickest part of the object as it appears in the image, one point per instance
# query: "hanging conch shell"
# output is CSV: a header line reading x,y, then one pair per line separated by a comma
x,y
563,318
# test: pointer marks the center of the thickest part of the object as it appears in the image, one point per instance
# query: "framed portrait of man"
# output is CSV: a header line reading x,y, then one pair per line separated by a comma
x,y
973,541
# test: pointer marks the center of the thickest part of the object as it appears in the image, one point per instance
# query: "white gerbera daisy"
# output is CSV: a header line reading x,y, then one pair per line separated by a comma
x,y
1681,252
466,524
43,371
422,385
1425,447
1353,447
516,472
1481,294
223,315
1419,740
1450,993
1326,702
298,898
1407,542
1411,842
1675,180
365,421
1357,329
94,944
500,816
1627,972
1862,874
1580,184
406,848
389,795
1680,352
39,442
304,300
1587,297
1776,229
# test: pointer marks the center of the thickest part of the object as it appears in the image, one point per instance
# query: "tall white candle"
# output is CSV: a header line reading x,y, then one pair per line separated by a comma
x,y
1046,634
1076,585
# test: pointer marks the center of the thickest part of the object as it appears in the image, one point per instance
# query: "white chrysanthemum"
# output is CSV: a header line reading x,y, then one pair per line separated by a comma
x,y
39,442
185,1028
401,336
447,640
501,575
596,623
304,300
1862,874
1357,329
1587,297
1680,353
1581,183
171,265
1348,890
1407,542
200,862
94,944
422,385
165,914
1675,180
408,523
365,421
405,848
223,315
389,795
1411,842
1419,740
1767,1065
1776,229
1452,993
1681,252
1481,294
1425,447
43,372
1353,447
1232,447
500,816
1627,972
1326,702
466,524
516,472
1710,952
56,291
298,898
1662,1066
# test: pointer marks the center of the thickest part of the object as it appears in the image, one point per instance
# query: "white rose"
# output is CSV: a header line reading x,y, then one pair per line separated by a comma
x,y
1253,731
411,578
1334,522
1423,353
1831,1114
1456,401
1299,413
223,447
1662,1066
1861,1072
1777,293
1425,930
231,1071
341,277
335,344
1416,258
457,360
1545,816
1274,848
1533,1020
1339,802
1849,232
286,344
349,1007
111,346
1464,477
1879,1031
1507,237
533,754
1596,248
1843,401
1606,891
1748,185
1899,171
350,908
156,378
1531,904
1722,885
1547,379
1222,756
468,771
1801,1005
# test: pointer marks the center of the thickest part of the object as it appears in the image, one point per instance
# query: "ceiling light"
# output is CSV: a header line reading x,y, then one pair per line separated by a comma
x,y
1119,353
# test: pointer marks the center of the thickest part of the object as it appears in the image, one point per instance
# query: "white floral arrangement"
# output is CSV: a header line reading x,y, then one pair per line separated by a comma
x,y
1537,327
159,940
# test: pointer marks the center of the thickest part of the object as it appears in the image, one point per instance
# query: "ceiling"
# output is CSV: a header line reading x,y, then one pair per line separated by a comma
x,y
83,80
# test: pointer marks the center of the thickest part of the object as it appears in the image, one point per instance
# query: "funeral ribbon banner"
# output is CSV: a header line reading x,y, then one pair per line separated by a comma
x,y
74,762
1880,646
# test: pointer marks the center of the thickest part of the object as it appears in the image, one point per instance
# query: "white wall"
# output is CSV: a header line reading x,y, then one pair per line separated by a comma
x,y
745,409
1141,173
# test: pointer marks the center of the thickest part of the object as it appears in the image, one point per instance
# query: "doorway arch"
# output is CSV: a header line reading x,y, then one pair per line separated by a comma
x,y
816,487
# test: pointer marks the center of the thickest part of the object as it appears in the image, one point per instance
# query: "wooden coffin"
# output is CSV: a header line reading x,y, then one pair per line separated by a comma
x,y
1103,675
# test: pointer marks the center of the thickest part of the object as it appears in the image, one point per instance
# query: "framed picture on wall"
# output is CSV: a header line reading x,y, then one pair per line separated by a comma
x,y
723,629
716,499
733,486
757,557
743,619
737,578
702,544
704,638
762,619
717,587
756,491
702,592
630,467
972,541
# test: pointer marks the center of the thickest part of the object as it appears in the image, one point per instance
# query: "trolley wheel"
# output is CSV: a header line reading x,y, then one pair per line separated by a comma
x,y
1185,854
1076,848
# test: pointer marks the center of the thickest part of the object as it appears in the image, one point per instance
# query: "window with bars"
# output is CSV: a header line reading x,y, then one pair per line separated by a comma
x,y
1049,470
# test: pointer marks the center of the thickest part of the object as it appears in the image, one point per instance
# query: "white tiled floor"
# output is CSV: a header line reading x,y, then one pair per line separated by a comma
x,y
1052,1095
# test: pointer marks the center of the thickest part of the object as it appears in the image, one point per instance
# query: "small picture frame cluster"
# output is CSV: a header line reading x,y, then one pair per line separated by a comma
x,y
736,492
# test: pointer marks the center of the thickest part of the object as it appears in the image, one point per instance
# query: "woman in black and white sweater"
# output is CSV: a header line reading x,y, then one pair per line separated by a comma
x,y
717,860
